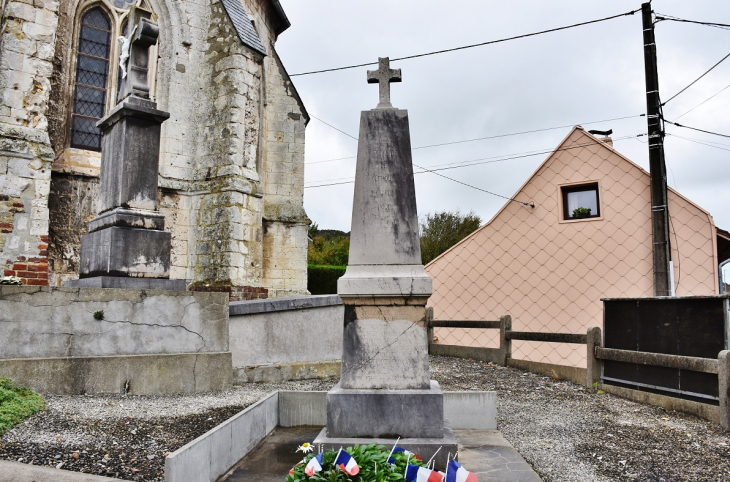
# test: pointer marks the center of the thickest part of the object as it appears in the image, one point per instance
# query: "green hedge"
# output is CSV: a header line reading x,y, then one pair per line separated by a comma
x,y
322,280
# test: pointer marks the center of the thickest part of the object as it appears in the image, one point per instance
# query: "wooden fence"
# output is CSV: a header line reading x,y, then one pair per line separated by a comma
x,y
596,354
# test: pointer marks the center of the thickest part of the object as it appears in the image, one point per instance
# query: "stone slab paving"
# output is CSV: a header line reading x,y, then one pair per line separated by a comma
x,y
491,458
17,472
484,452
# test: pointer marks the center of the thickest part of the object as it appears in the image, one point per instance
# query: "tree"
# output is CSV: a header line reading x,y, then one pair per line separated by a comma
x,y
442,230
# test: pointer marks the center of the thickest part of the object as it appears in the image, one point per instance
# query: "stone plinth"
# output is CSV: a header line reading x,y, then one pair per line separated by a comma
x,y
385,344
385,413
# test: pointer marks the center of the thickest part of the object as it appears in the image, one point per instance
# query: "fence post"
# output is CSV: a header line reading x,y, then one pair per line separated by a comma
x,y
429,327
593,364
505,345
723,377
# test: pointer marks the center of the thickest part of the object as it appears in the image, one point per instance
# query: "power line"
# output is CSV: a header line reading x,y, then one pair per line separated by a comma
x,y
697,141
335,128
703,102
660,17
488,137
696,129
491,42
695,81
531,204
473,162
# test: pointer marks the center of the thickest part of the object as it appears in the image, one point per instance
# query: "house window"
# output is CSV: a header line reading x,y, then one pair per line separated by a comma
x,y
581,202
92,69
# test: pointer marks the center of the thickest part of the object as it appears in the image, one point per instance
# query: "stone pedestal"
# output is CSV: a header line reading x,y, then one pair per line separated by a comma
x,y
126,239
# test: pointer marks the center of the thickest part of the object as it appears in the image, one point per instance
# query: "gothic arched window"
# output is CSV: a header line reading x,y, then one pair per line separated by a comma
x,y
92,71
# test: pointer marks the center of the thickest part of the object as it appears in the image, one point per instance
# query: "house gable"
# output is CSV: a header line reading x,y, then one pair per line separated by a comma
x,y
551,275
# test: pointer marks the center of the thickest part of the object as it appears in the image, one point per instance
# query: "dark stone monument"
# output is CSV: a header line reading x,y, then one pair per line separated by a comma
x,y
385,391
126,246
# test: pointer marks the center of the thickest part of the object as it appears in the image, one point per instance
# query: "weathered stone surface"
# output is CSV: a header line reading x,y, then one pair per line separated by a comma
x,y
385,413
59,322
130,155
130,218
385,347
162,374
126,283
385,253
134,252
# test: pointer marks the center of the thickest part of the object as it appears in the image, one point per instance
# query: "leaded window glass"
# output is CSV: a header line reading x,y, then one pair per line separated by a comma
x,y
92,69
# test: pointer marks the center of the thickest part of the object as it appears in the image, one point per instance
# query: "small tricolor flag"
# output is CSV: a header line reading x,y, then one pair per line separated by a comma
x,y
415,473
314,465
346,463
457,473
397,449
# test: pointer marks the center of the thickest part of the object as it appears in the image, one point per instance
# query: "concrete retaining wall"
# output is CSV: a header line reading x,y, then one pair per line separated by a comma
x,y
44,322
215,452
132,374
286,338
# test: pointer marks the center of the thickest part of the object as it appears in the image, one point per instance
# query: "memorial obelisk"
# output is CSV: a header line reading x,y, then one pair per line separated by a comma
x,y
385,391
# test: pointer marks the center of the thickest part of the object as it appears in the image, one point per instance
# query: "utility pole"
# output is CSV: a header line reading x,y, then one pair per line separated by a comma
x,y
662,251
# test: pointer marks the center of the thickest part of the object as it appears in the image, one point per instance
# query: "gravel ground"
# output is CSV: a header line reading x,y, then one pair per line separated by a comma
x,y
564,432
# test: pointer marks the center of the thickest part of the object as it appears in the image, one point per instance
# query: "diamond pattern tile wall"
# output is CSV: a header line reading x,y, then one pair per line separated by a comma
x,y
549,274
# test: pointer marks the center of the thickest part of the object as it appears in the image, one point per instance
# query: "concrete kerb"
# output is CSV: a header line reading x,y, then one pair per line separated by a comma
x,y
216,452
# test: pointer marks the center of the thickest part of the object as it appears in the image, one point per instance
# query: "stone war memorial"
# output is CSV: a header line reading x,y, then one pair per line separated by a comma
x,y
385,391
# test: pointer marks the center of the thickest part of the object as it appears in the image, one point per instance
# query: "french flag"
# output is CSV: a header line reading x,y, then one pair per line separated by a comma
x,y
415,473
457,473
314,466
397,449
346,463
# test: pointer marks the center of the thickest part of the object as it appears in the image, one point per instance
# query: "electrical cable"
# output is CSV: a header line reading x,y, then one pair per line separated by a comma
x,y
444,167
696,129
659,17
335,128
703,102
697,141
695,81
473,45
486,138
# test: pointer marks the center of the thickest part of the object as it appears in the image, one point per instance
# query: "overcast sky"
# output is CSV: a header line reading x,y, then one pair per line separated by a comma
x,y
575,76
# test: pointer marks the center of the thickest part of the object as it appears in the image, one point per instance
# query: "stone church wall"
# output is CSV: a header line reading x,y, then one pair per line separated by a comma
x,y
231,159
26,48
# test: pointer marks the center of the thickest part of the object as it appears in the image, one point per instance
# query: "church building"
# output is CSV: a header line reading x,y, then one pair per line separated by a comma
x,y
231,171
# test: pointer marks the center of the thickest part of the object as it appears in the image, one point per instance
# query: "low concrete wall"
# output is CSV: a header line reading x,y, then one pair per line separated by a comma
x,y
702,410
286,338
471,410
559,372
214,453
473,352
217,451
43,322
133,374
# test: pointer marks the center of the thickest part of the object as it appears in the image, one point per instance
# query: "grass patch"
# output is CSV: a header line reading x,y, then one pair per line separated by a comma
x,y
17,404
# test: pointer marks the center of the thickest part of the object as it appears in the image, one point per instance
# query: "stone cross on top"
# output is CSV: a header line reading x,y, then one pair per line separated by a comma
x,y
384,76
134,54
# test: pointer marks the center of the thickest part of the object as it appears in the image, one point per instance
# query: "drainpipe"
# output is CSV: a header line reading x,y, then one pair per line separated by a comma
x,y
722,280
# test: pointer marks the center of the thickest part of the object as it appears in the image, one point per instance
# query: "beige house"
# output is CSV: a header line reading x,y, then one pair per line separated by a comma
x,y
549,266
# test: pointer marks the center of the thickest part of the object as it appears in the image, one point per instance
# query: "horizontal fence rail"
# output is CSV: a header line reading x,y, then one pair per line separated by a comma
x,y
466,324
546,337
695,364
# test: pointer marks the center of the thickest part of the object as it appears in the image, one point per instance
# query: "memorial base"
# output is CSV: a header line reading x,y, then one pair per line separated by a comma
x,y
127,283
385,413
126,252
424,447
